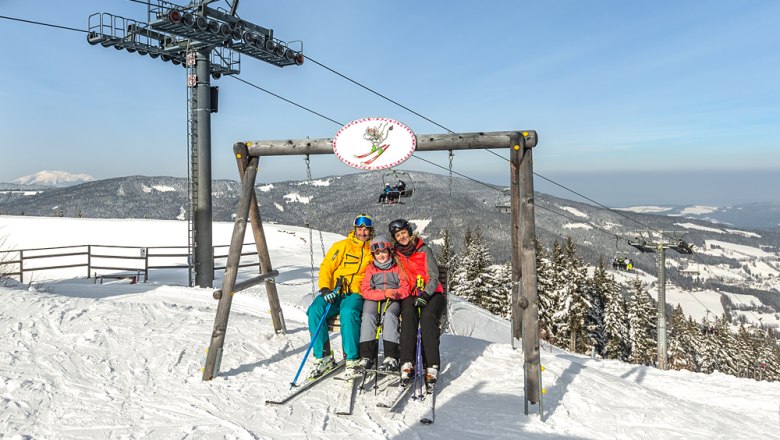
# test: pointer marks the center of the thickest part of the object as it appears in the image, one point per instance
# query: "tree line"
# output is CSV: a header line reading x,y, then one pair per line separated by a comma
x,y
587,311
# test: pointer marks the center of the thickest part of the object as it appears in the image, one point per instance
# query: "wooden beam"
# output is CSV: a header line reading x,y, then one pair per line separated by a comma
x,y
242,159
214,354
531,352
425,142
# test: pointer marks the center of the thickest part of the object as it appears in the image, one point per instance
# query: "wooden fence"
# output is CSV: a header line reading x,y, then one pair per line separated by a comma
x,y
107,259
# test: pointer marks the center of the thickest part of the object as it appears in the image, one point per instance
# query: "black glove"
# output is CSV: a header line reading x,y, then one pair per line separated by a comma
x,y
328,295
422,299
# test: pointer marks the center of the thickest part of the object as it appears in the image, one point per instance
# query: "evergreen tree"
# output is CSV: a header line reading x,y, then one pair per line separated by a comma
x,y
546,289
596,286
473,279
680,350
642,327
445,250
575,303
617,345
499,294
548,280
706,355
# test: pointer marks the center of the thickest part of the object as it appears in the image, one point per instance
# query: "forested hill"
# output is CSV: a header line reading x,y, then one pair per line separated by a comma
x,y
331,203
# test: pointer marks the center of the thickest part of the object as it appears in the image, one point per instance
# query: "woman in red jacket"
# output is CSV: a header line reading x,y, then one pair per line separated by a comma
x,y
417,259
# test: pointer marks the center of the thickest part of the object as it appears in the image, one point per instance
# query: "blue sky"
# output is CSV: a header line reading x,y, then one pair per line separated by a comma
x,y
610,86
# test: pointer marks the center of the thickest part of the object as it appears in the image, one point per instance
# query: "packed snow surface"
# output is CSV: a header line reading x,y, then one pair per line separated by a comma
x,y
123,361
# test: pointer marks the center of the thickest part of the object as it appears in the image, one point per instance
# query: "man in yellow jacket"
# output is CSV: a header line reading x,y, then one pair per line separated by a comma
x,y
347,258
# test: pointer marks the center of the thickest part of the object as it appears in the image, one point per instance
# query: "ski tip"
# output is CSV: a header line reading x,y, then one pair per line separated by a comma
x,y
426,421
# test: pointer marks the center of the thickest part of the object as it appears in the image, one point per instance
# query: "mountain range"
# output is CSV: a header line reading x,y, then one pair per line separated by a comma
x,y
53,179
438,205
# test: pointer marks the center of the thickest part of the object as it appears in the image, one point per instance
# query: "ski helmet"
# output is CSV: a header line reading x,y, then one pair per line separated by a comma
x,y
381,242
397,225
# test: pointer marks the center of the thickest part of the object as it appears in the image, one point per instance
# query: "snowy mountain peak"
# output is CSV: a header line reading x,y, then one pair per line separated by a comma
x,y
54,178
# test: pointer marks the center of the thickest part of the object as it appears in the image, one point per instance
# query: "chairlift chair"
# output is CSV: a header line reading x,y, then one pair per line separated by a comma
x,y
504,204
392,179
622,261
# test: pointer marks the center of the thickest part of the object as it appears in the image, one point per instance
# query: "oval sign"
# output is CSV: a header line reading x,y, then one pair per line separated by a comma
x,y
374,143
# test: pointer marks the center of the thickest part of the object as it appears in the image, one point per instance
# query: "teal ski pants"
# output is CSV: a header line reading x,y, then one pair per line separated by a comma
x,y
349,308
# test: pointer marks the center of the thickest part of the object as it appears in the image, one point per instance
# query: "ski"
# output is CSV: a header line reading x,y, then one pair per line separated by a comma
x,y
429,403
394,395
380,377
360,156
309,384
347,397
380,151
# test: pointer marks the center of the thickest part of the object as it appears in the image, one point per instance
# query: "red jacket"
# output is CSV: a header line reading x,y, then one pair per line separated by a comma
x,y
423,263
378,283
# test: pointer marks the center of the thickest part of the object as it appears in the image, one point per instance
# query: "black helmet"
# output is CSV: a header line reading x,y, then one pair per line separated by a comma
x,y
397,225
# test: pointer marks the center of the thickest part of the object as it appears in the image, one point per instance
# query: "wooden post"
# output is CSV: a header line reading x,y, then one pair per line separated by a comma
x,y
146,264
532,356
517,273
89,260
242,159
21,267
214,354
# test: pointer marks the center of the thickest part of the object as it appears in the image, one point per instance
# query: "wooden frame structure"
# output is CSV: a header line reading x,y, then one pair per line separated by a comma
x,y
525,302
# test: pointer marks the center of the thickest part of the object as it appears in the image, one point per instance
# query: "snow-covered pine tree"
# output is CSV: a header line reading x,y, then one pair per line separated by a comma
x,y
472,277
680,349
706,356
725,343
445,250
617,345
596,286
552,302
575,302
546,288
498,298
769,356
642,327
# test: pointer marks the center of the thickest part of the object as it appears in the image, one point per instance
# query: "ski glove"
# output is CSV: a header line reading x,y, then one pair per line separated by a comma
x,y
422,299
328,295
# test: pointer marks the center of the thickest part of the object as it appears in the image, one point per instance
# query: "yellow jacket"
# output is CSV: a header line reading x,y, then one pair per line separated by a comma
x,y
349,258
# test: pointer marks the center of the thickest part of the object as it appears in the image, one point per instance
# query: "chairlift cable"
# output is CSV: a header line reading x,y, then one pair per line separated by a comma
x,y
394,102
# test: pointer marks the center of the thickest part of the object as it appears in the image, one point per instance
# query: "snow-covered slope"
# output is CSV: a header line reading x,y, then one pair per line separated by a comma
x,y
84,360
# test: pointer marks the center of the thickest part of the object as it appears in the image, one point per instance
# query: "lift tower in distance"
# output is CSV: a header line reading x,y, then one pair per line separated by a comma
x,y
658,242
208,43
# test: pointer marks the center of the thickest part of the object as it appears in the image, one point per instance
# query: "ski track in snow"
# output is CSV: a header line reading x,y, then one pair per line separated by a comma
x,y
124,361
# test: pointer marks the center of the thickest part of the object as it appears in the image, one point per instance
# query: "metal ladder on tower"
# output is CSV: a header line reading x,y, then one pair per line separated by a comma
x,y
192,169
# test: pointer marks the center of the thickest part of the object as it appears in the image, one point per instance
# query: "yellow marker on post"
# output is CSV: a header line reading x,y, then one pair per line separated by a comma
x,y
516,147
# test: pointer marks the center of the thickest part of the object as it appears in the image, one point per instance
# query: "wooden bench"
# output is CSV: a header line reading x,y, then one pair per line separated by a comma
x,y
334,323
134,278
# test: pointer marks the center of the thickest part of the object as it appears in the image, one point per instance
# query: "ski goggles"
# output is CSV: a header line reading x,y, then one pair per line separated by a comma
x,y
364,220
381,246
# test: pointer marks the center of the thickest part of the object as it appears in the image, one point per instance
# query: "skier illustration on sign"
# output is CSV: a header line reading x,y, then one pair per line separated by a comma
x,y
376,135
347,258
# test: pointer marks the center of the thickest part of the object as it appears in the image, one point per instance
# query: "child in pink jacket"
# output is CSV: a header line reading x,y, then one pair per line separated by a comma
x,y
384,285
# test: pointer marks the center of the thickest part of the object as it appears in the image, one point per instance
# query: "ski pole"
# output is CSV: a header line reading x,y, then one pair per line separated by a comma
x,y
418,375
379,330
316,333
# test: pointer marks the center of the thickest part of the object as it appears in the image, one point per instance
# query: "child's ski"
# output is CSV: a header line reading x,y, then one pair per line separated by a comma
x,y
394,395
346,398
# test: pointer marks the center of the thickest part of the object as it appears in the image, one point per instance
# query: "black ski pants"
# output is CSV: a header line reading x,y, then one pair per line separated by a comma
x,y
430,317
